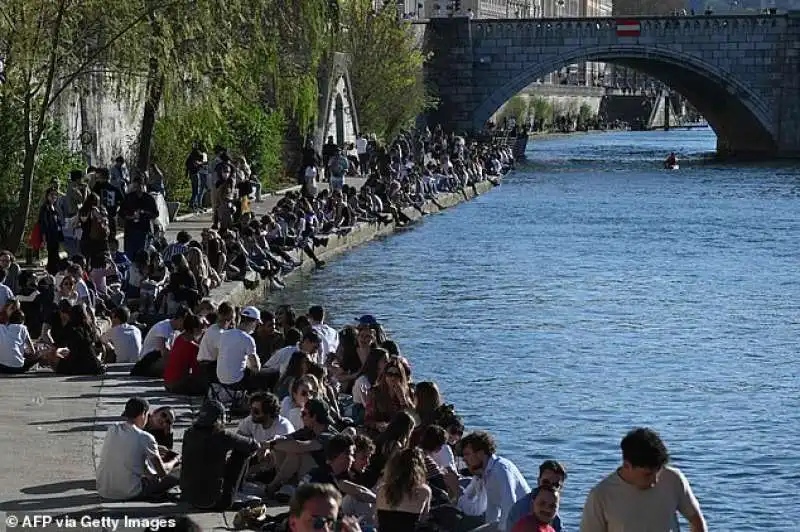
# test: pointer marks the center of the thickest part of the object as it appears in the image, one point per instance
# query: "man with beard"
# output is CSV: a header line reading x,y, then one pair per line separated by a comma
x,y
504,482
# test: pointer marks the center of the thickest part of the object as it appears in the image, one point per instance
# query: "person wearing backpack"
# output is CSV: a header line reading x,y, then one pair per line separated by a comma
x,y
94,223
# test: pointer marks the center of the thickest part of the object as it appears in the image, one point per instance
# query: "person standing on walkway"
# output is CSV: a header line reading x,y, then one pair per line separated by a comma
x,y
363,154
110,197
51,224
644,493
139,209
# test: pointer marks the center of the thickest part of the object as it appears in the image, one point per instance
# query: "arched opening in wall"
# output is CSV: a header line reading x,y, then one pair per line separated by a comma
x,y
739,119
338,113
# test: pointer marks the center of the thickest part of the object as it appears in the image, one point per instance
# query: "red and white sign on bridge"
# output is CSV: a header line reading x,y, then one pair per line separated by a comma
x,y
628,28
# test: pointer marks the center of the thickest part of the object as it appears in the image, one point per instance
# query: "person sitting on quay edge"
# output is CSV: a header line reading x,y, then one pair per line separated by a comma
x,y
209,477
315,508
551,473
238,364
339,458
130,463
182,373
543,509
264,424
505,485
303,450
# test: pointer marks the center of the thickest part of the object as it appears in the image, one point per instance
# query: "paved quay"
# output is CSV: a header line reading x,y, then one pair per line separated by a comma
x,y
52,427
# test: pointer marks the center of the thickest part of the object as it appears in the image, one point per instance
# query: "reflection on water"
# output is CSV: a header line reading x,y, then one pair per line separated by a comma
x,y
594,292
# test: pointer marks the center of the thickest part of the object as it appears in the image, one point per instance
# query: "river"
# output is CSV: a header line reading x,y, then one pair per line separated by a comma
x,y
594,292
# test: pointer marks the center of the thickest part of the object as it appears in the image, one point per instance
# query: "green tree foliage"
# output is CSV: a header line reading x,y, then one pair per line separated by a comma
x,y
386,68
541,111
267,51
516,108
243,127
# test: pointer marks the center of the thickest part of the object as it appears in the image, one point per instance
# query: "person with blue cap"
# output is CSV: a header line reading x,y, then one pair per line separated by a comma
x,y
209,478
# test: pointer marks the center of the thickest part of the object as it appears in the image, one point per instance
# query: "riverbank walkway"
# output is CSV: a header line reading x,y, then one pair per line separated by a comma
x,y
52,427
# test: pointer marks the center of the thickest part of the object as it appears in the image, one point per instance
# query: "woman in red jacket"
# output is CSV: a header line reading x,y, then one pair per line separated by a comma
x,y
181,373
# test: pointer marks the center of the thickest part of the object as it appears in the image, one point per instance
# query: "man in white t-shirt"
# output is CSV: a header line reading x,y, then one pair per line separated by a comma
x,y
644,493
279,360
329,338
209,345
157,344
130,464
126,339
264,422
238,364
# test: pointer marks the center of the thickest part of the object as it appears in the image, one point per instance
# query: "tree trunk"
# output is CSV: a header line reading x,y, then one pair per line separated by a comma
x,y
155,88
17,232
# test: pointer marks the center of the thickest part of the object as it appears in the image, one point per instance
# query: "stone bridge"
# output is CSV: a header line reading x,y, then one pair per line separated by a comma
x,y
740,71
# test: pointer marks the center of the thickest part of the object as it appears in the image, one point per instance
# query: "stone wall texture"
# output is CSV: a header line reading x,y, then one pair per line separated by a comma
x,y
740,71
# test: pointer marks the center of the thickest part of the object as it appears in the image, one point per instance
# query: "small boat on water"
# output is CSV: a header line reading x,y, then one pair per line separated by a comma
x,y
672,167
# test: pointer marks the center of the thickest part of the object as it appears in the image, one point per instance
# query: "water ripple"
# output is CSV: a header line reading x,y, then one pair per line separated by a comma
x,y
578,301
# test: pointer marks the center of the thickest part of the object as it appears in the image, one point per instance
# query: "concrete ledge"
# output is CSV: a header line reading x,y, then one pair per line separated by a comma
x,y
236,293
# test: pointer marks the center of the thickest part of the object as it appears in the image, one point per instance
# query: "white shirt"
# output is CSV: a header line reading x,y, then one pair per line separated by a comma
x,y
279,360
209,345
293,413
126,450
280,427
160,331
5,294
361,390
330,340
127,341
444,458
235,346
361,145
14,338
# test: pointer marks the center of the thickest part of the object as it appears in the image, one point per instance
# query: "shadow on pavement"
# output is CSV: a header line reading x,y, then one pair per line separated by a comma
x,y
60,487
51,503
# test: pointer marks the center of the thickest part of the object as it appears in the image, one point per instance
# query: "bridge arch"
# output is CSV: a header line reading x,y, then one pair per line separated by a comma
x,y
734,111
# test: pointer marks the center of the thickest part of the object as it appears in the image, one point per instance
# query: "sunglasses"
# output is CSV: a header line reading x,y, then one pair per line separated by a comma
x,y
319,522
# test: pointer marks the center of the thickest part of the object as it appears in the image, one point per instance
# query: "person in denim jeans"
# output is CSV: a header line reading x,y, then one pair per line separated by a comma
x,y
196,168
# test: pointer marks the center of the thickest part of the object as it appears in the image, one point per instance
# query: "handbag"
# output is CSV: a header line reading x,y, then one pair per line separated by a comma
x,y
36,241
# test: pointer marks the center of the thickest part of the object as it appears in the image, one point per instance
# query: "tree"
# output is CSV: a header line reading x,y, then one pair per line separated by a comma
x,y
386,68
516,108
181,47
47,45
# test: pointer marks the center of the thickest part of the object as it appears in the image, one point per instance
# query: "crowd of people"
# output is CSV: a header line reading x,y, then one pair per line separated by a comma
x,y
337,427
334,423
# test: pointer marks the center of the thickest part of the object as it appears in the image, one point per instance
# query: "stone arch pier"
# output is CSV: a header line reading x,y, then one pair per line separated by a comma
x,y
740,72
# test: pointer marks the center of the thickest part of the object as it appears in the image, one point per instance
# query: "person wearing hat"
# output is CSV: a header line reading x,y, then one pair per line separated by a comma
x,y
304,449
238,364
130,463
209,478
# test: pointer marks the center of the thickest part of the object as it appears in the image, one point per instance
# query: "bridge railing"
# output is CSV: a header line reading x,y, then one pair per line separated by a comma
x,y
607,26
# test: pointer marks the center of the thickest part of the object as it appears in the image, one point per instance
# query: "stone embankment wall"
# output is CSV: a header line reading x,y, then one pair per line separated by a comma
x,y
236,293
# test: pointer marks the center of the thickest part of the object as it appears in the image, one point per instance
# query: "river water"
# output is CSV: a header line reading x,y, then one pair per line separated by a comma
x,y
593,292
